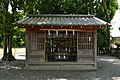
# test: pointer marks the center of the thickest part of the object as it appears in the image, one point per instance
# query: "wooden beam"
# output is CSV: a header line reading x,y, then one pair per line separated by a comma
x,y
64,27
67,30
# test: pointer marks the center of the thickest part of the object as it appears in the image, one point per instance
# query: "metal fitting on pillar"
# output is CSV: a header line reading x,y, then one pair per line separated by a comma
x,y
49,32
73,32
66,33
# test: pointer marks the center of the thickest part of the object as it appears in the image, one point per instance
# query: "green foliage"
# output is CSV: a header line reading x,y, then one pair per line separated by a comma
x,y
7,19
19,38
1,41
102,38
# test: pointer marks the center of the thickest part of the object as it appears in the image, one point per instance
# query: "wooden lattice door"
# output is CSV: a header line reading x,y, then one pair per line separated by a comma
x,y
85,42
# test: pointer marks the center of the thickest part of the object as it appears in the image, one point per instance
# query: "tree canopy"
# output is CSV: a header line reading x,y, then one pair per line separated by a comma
x,y
93,7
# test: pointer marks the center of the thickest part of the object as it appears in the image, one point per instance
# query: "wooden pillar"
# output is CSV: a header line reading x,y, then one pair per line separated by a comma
x,y
77,49
27,37
95,48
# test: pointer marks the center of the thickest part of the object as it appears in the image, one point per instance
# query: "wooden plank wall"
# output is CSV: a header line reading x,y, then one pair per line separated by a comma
x,y
36,47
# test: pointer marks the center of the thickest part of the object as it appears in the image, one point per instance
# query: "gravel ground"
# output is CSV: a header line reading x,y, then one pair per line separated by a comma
x,y
108,69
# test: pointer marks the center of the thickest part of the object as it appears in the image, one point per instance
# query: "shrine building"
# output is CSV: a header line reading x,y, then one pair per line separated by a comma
x,y
61,41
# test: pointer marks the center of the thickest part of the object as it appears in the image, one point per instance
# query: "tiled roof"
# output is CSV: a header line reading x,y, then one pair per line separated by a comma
x,y
61,20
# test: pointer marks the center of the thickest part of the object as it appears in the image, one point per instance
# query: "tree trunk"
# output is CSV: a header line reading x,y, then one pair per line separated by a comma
x,y
108,27
10,56
5,55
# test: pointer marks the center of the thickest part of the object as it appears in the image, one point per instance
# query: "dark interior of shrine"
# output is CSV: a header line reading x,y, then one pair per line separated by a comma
x,y
61,46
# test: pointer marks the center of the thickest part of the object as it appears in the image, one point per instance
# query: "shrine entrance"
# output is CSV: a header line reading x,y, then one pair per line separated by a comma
x,y
61,46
